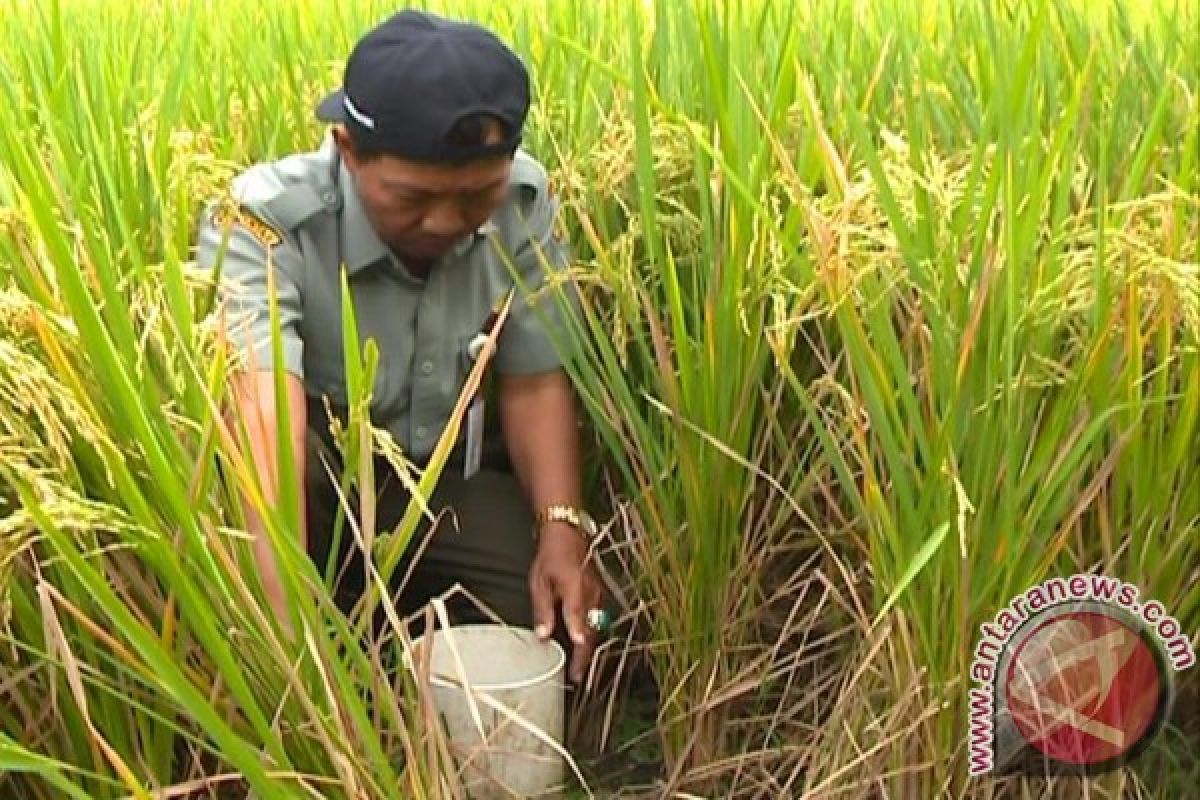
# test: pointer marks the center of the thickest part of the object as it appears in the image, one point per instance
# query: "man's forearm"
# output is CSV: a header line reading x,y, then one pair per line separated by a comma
x,y
540,430
543,441
254,398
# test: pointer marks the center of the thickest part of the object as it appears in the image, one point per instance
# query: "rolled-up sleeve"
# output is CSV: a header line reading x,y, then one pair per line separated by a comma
x,y
545,296
244,261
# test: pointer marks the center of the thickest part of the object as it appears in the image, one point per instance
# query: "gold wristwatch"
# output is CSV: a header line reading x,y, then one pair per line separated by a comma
x,y
582,520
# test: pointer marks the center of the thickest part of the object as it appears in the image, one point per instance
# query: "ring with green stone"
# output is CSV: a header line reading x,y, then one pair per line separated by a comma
x,y
599,620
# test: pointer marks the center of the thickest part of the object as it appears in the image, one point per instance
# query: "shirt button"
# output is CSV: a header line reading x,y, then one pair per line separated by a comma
x,y
422,432
329,198
427,368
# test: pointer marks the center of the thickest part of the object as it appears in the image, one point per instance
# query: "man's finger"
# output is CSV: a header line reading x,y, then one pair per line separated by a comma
x,y
592,597
581,656
573,611
581,635
542,598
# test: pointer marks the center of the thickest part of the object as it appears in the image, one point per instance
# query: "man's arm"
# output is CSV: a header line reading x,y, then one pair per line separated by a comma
x,y
256,260
537,412
254,405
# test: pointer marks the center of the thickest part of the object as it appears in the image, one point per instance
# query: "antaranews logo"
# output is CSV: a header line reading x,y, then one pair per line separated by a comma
x,y
1074,675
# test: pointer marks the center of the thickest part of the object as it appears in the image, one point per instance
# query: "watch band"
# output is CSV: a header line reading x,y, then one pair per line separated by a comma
x,y
576,517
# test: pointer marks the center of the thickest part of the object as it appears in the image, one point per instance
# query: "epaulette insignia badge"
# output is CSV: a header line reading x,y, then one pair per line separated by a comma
x,y
228,214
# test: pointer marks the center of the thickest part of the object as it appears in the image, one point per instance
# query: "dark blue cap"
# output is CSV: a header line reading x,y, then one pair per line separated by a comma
x,y
409,81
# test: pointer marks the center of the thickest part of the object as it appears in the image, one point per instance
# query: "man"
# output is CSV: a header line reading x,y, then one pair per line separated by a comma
x,y
422,194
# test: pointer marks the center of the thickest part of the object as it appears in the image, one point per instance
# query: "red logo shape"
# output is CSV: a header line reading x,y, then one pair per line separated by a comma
x,y
1083,688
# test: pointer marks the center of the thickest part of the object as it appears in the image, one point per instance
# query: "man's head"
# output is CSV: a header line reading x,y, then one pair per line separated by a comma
x,y
428,119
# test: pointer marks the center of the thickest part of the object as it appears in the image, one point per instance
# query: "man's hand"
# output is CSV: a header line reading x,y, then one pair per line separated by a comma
x,y
562,575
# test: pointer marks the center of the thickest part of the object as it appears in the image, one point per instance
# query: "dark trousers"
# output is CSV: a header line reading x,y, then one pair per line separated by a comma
x,y
483,539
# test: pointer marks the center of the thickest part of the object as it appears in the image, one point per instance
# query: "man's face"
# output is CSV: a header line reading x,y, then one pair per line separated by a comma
x,y
422,210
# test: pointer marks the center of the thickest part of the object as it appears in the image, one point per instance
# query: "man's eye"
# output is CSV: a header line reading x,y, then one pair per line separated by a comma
x,y
481,196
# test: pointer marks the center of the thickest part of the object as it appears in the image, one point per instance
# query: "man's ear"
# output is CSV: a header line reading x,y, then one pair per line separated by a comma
x,y
345,145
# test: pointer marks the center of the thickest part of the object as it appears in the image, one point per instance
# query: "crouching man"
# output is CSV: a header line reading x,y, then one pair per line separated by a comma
x,y
423,196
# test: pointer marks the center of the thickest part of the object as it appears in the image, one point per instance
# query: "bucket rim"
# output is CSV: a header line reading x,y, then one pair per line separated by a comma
x,y
560,660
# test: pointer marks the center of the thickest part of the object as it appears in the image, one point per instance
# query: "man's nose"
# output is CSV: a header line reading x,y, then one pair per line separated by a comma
x,y
443,219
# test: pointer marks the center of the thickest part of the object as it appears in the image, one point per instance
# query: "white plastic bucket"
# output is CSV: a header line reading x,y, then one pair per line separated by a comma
x,y
509,674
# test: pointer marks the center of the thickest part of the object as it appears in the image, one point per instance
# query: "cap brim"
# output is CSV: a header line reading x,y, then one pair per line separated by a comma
x,y
332,109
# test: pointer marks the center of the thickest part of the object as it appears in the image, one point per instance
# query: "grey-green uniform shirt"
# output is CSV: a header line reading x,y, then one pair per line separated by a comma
x,y
423,327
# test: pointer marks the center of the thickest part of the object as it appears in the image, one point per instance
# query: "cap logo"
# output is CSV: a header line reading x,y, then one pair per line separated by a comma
x,y
359,117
